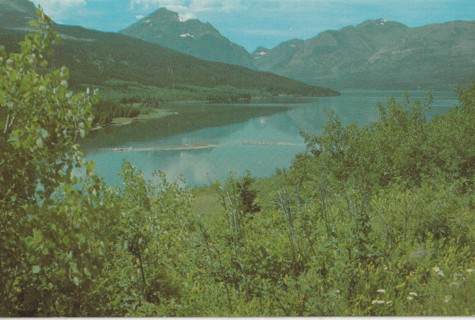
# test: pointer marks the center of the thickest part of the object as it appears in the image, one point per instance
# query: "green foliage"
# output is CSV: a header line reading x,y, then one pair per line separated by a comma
x,y
370,221
393,147
105,111
65,234
41,121
452,138
50,247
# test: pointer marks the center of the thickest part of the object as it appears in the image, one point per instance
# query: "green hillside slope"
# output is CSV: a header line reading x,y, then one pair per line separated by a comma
x,y
95,57
16,13
380,54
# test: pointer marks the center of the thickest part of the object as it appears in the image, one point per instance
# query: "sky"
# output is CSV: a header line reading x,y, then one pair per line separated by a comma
x,y
254,23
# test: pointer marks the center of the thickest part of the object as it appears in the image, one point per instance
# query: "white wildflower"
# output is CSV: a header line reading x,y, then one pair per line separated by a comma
x,y
439,271
377,302
413,294
381,291
470,270
410,298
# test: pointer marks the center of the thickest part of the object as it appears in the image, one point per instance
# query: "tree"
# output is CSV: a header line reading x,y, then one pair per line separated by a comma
x,y
47,238
41,121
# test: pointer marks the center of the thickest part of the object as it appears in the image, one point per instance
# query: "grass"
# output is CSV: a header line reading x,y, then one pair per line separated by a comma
x,y
205,200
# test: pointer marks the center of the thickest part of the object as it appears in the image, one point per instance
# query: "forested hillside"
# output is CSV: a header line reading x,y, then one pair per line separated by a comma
x,y
379,54
136,76
374,220
95,57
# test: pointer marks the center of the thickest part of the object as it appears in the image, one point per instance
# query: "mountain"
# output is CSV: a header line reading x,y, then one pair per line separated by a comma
x,y
16,13
279,57
95,57
192,37
380,54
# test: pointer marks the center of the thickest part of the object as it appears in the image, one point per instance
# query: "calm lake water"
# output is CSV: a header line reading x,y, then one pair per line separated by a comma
x,y
261,144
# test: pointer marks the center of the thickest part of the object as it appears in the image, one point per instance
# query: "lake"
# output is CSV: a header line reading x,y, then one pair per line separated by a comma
x,y
257,137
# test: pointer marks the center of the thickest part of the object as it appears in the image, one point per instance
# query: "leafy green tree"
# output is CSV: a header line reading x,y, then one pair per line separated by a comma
x,y
41,121
56,215
70,245
452,137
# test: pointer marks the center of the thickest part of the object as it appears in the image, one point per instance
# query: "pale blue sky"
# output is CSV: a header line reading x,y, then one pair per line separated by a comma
x,y
267,23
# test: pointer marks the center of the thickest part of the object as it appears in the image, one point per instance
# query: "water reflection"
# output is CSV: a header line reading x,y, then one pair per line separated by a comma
x,y
259,145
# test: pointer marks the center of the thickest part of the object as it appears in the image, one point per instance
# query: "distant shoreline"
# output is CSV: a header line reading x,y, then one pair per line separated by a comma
x,y
123,121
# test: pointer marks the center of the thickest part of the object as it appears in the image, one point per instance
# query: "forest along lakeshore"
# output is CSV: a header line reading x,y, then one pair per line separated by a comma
x,y
373,214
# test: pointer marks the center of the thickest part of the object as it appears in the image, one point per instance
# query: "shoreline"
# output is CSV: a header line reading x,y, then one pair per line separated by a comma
x,y
163,109
155,113
170,148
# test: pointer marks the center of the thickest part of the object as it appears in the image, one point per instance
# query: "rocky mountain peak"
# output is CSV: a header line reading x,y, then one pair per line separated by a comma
x,y
164,13
192,37
380,24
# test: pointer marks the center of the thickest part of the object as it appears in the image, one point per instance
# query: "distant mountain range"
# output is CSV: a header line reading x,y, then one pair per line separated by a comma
x,y
95,57
277,58
379,54
193,37
376,54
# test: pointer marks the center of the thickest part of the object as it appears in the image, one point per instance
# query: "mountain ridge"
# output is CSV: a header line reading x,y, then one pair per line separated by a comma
x,y
16,13
193,37
374,54
95,57
381,54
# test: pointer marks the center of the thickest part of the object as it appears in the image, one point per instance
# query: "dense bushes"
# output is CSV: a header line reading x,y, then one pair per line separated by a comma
x,y
376,220
368,221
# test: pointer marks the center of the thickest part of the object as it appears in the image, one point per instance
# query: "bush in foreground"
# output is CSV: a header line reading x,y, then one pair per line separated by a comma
x,y
377,220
